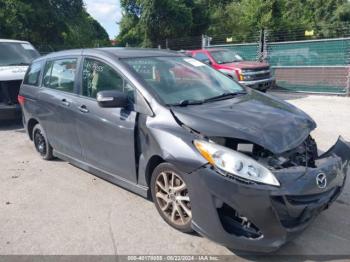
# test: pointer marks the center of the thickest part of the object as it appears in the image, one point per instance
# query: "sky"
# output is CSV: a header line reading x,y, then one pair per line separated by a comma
x,y
107,13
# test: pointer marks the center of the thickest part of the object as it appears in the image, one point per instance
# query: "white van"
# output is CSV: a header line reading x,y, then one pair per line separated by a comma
x,y
15,56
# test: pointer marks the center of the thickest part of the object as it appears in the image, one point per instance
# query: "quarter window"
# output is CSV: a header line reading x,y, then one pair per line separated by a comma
x,y
32,76
60,74
98,76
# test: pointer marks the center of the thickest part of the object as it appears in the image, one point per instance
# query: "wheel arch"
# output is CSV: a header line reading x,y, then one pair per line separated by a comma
x,y
152,163
30,126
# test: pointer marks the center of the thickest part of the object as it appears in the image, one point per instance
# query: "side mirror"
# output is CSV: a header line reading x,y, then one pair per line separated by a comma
x,y
208,62
112,98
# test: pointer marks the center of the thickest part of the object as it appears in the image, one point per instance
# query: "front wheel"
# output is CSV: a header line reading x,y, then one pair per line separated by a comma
x,y
41,144
171,198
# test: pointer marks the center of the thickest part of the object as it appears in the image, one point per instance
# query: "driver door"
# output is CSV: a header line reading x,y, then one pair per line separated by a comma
x,y
106,134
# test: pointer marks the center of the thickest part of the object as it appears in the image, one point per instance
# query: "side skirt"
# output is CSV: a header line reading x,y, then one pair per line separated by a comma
x,y
114,179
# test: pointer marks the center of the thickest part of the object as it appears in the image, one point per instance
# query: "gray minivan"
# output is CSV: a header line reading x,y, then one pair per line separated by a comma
x,y
234,164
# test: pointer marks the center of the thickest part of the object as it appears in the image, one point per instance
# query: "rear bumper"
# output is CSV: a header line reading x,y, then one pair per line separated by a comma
x,y
10,112
276,214
263,84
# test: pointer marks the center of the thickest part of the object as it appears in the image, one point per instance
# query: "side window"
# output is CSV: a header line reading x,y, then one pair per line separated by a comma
x,y
60,74
33,74
98,76
201,57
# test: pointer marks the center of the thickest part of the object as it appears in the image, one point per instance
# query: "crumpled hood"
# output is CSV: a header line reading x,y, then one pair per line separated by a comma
x,y
245,65
259,118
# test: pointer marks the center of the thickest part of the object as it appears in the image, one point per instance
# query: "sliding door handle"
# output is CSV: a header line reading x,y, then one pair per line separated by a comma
x,y
65,102
83,109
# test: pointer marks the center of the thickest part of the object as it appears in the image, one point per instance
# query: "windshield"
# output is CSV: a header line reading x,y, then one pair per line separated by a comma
x,y
225,56
17,54
178,79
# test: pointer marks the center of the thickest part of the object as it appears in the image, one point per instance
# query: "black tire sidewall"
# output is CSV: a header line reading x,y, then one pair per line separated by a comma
x,y
161,168
48,155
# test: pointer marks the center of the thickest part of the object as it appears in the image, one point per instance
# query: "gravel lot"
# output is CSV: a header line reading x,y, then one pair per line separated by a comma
x,y
55,208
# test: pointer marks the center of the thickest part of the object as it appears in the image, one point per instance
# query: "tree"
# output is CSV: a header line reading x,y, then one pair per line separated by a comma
x,y
150,22
165,19
59,24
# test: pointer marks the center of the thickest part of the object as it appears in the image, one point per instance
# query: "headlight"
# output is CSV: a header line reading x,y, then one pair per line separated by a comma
x,y
235,163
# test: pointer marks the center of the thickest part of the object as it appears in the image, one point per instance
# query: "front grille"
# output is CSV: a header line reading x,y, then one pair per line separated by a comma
x,y
256,74
9,91
253,70
296,210
310,199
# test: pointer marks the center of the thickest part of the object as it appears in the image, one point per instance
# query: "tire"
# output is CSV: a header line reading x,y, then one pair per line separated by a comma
x,y
41,144
171,197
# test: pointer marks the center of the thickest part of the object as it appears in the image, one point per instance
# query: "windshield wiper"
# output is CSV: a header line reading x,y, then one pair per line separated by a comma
x,y
229,62
224,96
18,64
187,102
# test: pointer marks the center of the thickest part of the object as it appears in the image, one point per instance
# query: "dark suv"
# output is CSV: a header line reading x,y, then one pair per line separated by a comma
x,y
229,162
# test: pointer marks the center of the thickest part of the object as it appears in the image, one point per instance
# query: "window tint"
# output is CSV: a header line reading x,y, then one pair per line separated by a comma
x,y
201,57
33,73
98,76
60,74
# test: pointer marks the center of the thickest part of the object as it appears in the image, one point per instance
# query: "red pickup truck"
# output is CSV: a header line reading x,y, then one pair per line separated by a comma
x,y
256,75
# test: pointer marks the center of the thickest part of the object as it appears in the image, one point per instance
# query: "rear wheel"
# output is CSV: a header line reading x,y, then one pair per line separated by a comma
x,y
171,197
41,144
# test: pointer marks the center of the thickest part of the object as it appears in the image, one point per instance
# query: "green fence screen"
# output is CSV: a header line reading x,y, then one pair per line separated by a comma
x,y
315,52
320,66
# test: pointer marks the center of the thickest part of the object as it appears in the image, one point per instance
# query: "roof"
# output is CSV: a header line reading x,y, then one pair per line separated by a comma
x,y
208,50
117,52
138,52
12,41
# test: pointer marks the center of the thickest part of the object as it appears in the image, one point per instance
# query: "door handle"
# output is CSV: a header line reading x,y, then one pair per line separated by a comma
x,y
83,109
65,102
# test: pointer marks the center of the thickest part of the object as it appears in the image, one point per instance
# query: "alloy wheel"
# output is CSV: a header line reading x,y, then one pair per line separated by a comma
x,y
172,198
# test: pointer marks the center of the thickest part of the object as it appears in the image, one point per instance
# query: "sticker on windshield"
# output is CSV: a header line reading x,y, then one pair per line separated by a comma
x,y
27,46
194,62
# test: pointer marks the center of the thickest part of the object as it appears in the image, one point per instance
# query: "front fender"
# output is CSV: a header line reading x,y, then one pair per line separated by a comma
x,y
171,142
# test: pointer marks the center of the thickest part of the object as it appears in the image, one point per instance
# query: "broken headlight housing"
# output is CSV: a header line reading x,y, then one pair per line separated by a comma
x,y
235,163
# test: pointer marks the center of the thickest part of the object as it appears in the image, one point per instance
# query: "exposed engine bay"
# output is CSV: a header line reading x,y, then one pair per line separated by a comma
x,y
303,155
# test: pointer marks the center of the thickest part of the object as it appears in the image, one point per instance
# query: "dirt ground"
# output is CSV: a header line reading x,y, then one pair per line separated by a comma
x,y
55,208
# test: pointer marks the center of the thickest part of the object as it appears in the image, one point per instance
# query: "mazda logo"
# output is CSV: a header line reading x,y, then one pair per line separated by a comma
x,y
321,180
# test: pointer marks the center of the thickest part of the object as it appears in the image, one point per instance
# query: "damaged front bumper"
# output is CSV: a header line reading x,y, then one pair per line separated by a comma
x,y
261,218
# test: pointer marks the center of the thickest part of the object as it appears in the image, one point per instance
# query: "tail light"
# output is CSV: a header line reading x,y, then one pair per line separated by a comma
x,y
21,100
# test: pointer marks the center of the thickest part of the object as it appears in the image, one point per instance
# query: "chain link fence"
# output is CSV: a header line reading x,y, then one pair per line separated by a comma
x,y
301,61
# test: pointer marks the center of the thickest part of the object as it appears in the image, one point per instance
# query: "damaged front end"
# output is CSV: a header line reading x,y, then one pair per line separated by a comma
x,y
264,181
258,217
303,155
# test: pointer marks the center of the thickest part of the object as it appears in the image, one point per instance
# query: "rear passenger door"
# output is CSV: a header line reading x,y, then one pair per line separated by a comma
x,y
58,105
106,134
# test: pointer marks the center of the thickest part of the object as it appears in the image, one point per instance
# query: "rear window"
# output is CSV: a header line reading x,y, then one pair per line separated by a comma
x,y
33,74
13,54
